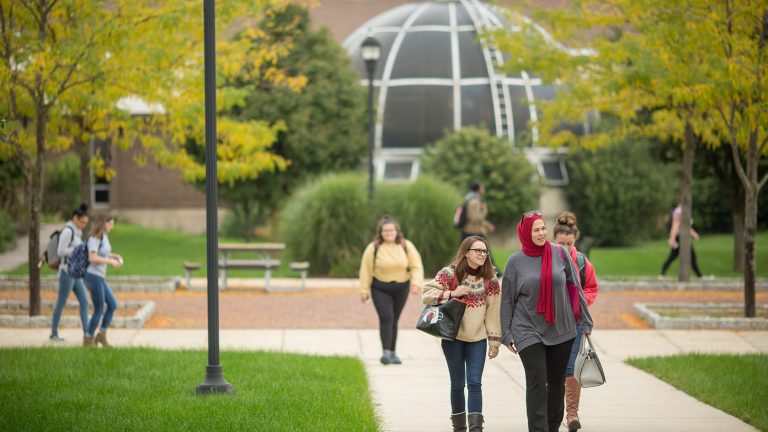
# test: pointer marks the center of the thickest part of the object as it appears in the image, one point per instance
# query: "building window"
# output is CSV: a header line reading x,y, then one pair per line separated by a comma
x,y
397,170
100,185
553,172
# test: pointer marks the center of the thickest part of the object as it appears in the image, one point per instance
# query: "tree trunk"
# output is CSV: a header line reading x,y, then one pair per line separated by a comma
x,y
35,200
751,192
737,212
84,151
684,245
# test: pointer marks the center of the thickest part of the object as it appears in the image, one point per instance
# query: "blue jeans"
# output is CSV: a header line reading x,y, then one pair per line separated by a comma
x,y
466,361
101,293
66,284
574,351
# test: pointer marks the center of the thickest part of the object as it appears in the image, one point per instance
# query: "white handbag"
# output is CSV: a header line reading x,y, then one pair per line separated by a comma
x,y
587,368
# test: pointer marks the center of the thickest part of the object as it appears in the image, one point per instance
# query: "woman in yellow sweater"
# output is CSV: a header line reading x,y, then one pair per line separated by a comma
x,y
390,265
471,279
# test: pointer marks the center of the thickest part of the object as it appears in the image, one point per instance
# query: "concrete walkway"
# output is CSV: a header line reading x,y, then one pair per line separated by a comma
x,y
414,396
19,255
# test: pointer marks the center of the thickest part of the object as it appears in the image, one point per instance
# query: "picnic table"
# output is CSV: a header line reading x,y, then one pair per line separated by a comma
x,y
262,257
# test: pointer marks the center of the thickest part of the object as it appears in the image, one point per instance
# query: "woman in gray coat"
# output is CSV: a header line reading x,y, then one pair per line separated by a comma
x,y
539,318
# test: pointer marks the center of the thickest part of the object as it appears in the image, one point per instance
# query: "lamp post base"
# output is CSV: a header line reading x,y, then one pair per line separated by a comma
x,y
214,382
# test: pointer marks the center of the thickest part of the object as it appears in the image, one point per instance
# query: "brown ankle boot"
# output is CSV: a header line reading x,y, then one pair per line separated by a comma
x,y
101,338
459,422
88,341
572,394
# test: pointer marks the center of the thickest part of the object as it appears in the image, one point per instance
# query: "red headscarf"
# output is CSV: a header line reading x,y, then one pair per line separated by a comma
x,y
546,304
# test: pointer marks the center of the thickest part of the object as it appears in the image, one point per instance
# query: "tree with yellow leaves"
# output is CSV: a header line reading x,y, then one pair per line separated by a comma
x,y
64,65
693,71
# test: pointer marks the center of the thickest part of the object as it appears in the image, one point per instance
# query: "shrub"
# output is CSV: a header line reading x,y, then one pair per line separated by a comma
x,y
424,210
470,155
62,185
326,223
7,232
329,221
619,193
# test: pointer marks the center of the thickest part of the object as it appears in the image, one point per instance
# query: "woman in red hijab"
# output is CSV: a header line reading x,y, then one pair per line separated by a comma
x,y
539,318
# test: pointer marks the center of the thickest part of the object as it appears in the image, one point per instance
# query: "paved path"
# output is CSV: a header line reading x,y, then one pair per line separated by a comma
x,y
414,397
17,256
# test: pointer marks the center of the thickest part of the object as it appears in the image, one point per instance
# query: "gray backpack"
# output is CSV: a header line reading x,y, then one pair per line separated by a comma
x,y
51,254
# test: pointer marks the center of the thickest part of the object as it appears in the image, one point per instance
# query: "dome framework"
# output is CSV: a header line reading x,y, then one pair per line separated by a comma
x,y
435,75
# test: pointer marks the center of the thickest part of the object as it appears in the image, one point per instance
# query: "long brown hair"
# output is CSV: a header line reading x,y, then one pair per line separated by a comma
x,y
460,264
99,225
378,239
566,224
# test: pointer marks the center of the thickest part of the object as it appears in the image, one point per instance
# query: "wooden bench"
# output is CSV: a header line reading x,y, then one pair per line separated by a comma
x,y
241,264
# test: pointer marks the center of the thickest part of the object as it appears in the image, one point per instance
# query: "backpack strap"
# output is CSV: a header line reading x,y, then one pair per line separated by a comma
x,y
582,262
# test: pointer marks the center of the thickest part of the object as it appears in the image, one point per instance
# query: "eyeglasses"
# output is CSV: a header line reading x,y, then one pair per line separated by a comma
x,y
529,214
480,251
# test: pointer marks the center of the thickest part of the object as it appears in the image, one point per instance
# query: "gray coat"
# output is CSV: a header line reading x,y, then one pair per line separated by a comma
x,y
520,293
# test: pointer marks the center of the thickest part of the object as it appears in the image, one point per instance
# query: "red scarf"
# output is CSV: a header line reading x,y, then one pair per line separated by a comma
x,y
546,303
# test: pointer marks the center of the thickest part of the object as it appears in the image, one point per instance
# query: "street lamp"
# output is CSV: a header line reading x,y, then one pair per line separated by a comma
x,y
370,51
214,381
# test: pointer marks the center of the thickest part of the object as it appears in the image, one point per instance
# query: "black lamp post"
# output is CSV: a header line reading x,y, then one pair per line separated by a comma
x,y
214,378
370,51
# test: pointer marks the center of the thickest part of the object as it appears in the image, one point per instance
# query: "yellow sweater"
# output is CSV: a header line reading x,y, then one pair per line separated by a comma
x,y
481,318
392,265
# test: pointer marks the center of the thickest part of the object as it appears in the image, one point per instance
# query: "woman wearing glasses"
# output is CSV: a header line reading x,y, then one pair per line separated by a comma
x,y
470,279
389,267
538,320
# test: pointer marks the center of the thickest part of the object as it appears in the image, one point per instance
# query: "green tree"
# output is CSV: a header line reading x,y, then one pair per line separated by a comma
x,y
324,121
697,66
471,155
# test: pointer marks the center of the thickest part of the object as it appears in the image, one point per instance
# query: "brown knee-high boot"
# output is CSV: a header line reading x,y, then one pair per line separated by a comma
x,y
459,422
572,393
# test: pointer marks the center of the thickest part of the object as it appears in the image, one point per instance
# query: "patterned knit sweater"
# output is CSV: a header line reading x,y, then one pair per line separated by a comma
x,y
481,318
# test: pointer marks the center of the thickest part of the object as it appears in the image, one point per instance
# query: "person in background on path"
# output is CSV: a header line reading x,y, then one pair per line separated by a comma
x,y
471,279
70,236
100,255
477,213
390,266
538,320
566,232
674,242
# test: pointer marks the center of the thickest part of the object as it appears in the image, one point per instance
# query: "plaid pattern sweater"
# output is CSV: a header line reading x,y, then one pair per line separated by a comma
x,y
481,318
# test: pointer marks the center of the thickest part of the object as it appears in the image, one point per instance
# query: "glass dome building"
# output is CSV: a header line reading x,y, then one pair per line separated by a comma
x,y
434,75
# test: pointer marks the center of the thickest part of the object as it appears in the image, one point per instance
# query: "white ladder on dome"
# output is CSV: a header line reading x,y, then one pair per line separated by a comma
x,y
502,100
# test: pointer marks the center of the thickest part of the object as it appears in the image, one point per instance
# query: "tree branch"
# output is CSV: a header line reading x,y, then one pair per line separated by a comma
x,y
762,183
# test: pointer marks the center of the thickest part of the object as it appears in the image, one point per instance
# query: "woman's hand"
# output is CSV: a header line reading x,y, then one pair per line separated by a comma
x,y
493,352
460,291
511,347
415,289
116,263
364,297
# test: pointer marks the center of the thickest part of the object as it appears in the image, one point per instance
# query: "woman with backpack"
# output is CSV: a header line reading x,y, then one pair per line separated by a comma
x,y
470,279
70,236
566,233
100,255
389,267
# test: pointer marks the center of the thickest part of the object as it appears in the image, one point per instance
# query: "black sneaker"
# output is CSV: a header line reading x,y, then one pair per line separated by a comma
x,y
394,359
55,338
385,360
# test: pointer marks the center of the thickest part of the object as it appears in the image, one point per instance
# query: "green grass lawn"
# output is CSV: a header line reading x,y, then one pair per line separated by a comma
x,y
714,253
160,252
736,384
141,389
